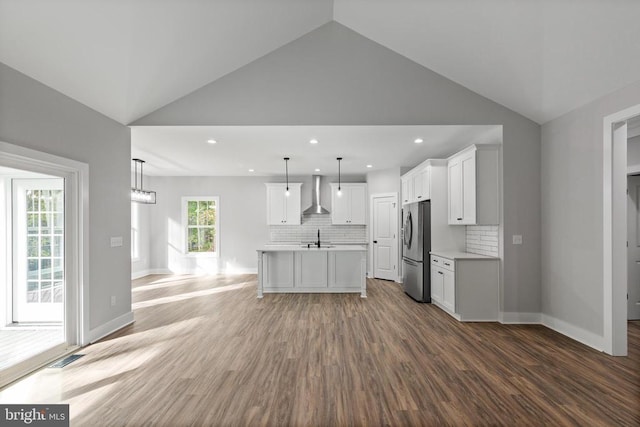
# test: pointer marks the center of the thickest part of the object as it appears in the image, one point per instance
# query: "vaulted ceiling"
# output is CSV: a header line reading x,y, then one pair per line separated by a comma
x,y
127,58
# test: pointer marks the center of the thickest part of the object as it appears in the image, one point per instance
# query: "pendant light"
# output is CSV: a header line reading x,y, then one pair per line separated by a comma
x,y
339,159
139,195
286,171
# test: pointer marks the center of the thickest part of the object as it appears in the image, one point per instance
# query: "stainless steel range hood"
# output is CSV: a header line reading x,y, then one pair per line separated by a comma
x,y
316,207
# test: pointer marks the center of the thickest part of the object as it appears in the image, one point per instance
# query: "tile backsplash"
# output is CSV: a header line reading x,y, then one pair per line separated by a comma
x,y
483,240
308,231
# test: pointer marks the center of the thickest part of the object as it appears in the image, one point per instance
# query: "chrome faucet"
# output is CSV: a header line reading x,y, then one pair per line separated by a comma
x,y
318,242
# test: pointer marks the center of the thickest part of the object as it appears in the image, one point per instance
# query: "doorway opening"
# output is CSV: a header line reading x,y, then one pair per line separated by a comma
x,y
616,268
44,273
33,220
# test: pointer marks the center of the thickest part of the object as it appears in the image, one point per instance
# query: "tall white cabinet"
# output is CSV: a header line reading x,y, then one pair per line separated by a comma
x,y
283,209
473,186
416,184
349,208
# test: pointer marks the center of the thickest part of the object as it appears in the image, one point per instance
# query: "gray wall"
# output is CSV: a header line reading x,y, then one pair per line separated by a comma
x,y
37,117
572,203
334,76
633,152
384,181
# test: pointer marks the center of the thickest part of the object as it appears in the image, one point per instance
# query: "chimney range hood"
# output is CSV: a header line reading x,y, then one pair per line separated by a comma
x,y
316,207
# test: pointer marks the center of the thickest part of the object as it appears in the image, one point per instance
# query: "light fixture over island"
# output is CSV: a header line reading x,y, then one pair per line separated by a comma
x,y
309,269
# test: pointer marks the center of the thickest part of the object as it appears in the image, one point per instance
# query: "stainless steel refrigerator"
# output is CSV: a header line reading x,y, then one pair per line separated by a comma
x,y
416,245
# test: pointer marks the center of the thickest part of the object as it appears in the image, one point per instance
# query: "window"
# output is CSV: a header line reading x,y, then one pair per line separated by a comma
x,y
201,221
135,231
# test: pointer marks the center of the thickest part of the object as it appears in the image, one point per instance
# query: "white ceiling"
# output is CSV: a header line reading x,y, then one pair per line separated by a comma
x,y
127,58
180,150
541,58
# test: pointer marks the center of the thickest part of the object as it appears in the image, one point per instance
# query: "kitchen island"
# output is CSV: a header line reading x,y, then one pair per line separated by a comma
x,y
309,269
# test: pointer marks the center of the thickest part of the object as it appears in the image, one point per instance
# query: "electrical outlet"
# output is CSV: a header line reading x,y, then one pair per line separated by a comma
x,y
517,239
113,300
116,241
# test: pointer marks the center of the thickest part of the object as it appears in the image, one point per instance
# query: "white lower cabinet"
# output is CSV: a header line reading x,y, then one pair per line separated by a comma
x,y
437,284
278,270
344,270
311,269
449,290
466,288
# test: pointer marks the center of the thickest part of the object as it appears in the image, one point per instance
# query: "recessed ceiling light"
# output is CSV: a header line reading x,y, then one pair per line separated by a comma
x,y
313,141
251,170
211,141
418,141
317,170
369,166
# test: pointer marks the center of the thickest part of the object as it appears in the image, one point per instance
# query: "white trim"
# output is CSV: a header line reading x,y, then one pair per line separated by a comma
x,y
581,335
183,207
193,272
110,327
611,330
76,175
138,274
520,318
21,369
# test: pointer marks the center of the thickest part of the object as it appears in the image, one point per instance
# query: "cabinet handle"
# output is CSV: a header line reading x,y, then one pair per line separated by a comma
x,y
436,261
375,241
440,272
459,219
419,197
447,264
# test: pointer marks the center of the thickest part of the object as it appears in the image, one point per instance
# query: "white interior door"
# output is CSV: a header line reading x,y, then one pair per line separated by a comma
x,y
38,248
633,251
385,240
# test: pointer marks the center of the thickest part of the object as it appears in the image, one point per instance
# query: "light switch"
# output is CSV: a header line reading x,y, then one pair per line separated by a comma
x,y
116,241
517,239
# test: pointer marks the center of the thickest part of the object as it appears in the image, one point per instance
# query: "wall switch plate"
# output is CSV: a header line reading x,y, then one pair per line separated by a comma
x,y
116,241
517,239
113,300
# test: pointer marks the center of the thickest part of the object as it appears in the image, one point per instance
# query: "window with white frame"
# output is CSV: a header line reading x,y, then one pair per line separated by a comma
x,y
200,219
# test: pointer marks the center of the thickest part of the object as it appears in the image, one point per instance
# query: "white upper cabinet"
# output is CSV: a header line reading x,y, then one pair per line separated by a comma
x,y
407,184
283,209
422,184
473,186
416,184
350,207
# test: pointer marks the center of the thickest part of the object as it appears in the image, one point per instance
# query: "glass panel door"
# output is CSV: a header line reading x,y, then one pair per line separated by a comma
x,y
38,248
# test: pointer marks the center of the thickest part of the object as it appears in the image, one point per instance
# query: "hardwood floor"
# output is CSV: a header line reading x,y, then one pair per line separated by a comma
x,y
206,351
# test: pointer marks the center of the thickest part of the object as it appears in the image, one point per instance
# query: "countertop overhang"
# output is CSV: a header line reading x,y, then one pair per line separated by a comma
x,y
301,248
453,255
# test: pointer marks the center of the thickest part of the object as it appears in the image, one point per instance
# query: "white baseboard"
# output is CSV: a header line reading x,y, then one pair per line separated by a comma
x,y
110,327
520,318
138,274
574,332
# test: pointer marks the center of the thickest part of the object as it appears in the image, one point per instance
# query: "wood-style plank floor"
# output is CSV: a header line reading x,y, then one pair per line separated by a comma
x,y
206,351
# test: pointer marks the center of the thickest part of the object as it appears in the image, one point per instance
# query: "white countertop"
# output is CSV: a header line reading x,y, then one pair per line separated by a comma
x,y
452,255
300,248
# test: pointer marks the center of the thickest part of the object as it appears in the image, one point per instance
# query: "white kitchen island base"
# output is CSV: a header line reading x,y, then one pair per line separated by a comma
x,y
295,269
